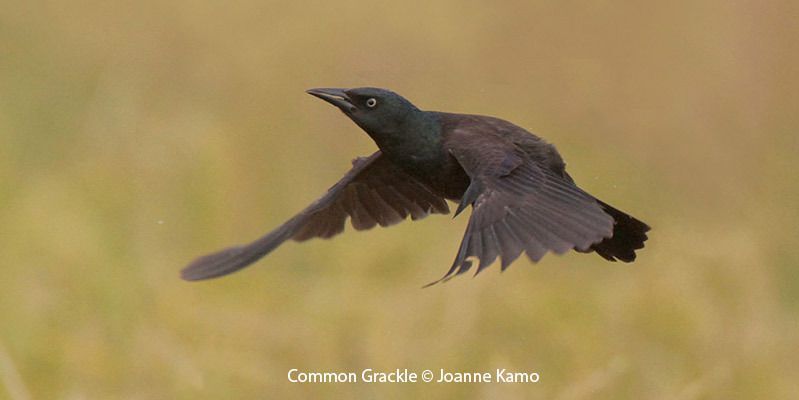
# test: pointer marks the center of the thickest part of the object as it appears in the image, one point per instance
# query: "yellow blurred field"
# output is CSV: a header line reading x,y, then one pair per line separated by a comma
x,y
135,136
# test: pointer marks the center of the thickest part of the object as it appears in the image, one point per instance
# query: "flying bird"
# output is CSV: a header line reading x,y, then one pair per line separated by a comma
x,y
522,198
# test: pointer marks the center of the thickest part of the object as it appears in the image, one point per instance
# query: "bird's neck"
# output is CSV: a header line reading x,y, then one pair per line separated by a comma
x,y
415,143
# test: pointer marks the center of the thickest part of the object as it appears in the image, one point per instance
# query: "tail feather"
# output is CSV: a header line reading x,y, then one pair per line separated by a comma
x,y
629,235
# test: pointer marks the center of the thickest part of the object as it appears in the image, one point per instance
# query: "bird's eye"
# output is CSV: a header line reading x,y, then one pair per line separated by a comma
x,y
371,102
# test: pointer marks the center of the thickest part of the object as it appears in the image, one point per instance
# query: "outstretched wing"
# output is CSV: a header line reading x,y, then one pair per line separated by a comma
x,y
373,192
519,205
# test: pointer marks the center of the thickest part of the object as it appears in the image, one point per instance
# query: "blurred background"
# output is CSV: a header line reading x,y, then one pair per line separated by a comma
x,y
137,135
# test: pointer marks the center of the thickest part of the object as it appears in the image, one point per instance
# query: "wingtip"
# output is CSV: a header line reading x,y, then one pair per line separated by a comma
x,y
443,279
453,272
461,206
189,275
194,273
185,276
431,284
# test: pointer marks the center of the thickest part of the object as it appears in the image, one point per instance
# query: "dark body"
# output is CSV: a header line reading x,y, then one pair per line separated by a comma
x,y
448,178
523,199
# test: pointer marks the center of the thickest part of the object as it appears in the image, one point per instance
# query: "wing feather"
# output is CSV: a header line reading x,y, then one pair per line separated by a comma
x,y
374,192
521,206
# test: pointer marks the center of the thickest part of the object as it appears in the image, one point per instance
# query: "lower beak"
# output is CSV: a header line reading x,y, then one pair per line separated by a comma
x,y
336,97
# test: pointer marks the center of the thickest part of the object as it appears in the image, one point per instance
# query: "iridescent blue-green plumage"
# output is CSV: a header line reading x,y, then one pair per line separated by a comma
x,y
523,200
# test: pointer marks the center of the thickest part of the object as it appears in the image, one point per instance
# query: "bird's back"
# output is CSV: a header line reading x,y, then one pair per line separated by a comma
x,y
487,132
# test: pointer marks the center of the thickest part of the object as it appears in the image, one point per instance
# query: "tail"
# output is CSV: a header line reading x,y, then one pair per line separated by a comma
x,y
629,235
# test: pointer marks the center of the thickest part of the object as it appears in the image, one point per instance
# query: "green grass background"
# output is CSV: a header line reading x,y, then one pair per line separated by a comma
x,y
137,135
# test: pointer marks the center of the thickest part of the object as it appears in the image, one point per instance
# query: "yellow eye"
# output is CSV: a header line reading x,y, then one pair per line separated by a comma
x,y
371,102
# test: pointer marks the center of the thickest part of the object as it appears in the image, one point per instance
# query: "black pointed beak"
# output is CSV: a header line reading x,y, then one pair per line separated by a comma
x,y
334,96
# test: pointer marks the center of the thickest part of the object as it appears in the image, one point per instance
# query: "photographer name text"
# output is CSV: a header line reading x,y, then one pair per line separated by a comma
x,y
369,375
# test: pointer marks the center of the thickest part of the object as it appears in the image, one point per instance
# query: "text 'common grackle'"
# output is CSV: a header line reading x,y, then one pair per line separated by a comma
x,y
521,196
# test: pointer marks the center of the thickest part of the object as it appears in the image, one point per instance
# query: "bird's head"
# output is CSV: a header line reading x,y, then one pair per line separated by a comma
x,y
379,112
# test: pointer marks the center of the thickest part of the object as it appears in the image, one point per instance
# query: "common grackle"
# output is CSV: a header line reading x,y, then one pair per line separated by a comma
x,y
521,196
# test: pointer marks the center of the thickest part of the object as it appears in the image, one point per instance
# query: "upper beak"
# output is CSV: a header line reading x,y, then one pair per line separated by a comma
x,y
334,96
